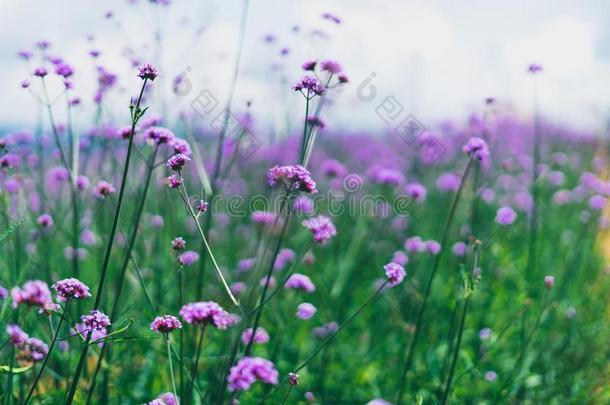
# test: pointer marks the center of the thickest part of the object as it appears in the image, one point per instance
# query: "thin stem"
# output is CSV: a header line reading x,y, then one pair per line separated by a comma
x,y
207,246
418,324
46,359
304,140
287,394
123,271
331,336
181,298
171,367
196,363
98,296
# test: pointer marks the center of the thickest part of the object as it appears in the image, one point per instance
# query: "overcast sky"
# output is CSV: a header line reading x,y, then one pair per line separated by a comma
x,y
440,59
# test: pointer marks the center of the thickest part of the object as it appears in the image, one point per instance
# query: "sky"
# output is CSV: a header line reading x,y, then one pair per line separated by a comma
x,y
438,59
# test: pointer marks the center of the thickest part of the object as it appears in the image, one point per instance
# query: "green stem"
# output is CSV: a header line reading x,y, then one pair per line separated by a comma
x,y
196,363
115,222
171,368
420,317
46,359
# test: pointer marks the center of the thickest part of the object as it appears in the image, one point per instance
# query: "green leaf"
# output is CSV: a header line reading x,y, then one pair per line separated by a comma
x,y
15,370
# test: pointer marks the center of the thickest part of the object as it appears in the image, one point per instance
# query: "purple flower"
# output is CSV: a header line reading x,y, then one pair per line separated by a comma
x,y
41,71
95,320
165,324
303,205
300,282
32,350
159,135
326,329
166,398
395,273
534,68
3,293
331,17
207,312
477,148
485,334
25,84
400,257
250,369
378,401
549,281
147,71
45,220
188,258
16,335
181,146
321,227
178,243
459,249
433,247
491,376
415,244
174,181
260,337
309,86
65,70
448,182
416,191
331,66
292,176
506,216
597,202
103,189
310,65
202,206
306,311
33,293
178,161
70,288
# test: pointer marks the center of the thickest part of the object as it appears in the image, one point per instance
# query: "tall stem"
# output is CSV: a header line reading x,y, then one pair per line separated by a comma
x,y
171,368
115,222
196,363
533,224
422,309
46,359
125,264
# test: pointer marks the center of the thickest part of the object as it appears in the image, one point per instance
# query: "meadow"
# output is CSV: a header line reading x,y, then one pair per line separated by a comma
x,y
158,259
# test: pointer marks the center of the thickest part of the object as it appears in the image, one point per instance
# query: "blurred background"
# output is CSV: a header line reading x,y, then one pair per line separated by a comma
x,y
440,59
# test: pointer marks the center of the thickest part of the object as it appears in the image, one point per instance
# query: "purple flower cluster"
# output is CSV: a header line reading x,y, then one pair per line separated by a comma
x,y
321,227
45,220
165,324
16,335
309,86
306,311
300,282
32,350
506,216
250,369
395,273
96,320
147,71
207,312
71,288
33,293
177,161
103,189
292,176
174,181
260,336
159,135
477,148
188,258
178,243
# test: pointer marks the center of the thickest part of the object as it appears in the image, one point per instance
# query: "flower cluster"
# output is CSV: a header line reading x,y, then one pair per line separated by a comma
x,y
306,311
250,369
103,189
32,351
70,288
260,336
165,324
45,220
506,216
33,293
147,71
177,161
96,320
159,135
207,312
395,273
178,243
300,282
321,227
292,176
174,181
477,148
309,86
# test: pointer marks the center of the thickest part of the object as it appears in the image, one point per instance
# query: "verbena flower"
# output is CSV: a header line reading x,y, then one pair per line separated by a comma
x,y
321,227
147,71
96,320
174,181
260,337
16,335
477,148
165,324
45,220
32,351
202,206
103,189
207,312
331,66
250,369
306,310
178,161
188,258
534,68
70,288
158,135
300,282
295,176
309,86
506,216
395,273
41,71
549,281
33,293
178,243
